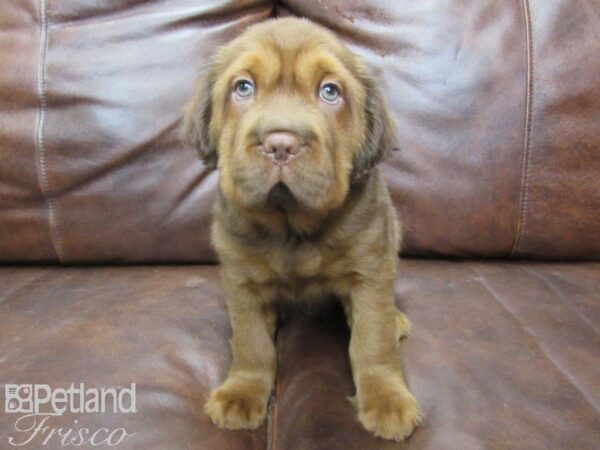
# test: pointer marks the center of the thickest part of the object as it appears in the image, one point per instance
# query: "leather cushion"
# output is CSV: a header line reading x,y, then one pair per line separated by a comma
x,y
503,355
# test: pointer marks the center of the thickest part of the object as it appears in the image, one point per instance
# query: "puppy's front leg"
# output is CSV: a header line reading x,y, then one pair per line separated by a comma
x,y
241,401
385,405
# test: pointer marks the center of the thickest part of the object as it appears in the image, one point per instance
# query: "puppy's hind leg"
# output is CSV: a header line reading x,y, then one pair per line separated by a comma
x,y
403,325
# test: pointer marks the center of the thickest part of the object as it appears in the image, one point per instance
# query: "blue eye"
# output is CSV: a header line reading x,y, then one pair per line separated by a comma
x,y
243,88
329,93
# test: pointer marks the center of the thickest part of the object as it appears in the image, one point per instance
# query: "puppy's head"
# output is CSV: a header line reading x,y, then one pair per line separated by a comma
x,y
291,117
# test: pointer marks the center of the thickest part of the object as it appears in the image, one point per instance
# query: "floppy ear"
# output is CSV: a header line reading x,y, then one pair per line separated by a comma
x,y
380,133
196,120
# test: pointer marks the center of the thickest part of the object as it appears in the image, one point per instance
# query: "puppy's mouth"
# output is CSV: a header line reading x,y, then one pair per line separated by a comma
x,y
281,197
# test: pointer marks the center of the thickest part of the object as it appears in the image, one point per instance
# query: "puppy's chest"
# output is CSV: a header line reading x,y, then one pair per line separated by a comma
x,y
286,263
306,270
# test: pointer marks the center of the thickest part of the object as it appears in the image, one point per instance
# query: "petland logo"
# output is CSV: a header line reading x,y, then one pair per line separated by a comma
x,y
39,403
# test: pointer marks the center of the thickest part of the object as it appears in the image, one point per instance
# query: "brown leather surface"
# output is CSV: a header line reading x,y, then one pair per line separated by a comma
x,y
560,196
164,328
24,233
498,110
497,106
92,168
503,355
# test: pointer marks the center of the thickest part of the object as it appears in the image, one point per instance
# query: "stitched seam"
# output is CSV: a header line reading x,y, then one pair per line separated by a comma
x,y
523,195
40,147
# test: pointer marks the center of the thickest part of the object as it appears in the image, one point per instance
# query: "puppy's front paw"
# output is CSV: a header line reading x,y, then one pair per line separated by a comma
x,y
240,403
390,413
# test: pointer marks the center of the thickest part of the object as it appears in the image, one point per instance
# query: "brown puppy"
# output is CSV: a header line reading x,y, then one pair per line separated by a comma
x,y
296,125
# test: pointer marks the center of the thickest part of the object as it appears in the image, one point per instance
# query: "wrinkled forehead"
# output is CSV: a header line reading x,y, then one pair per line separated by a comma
x,y
287,60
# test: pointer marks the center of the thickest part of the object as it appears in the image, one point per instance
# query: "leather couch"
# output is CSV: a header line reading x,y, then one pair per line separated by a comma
x,y
108,276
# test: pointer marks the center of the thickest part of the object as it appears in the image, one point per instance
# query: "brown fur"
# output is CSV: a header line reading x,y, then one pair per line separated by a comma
x,y
331,232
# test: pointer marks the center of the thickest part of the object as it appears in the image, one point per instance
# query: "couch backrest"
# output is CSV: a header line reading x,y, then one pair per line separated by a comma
x,y
497,106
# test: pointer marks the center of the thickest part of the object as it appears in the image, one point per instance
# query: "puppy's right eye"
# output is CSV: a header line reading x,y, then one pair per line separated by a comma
x,y
243,89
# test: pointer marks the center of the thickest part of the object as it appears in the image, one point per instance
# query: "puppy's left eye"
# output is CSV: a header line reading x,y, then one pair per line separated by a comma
x,y
330,93
243,89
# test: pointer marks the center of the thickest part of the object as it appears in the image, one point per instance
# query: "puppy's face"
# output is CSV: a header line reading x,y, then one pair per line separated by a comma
x,y
290,115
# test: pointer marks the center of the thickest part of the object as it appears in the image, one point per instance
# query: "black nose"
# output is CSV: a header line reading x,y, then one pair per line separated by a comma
x,y
280,145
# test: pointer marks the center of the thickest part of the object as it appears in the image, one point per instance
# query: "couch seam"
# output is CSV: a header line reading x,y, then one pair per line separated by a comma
x,y
525,170
40,145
